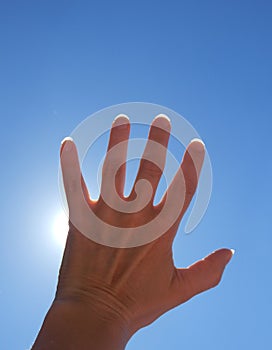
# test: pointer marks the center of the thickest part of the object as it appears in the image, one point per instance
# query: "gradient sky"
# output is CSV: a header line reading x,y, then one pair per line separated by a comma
x,y
210,61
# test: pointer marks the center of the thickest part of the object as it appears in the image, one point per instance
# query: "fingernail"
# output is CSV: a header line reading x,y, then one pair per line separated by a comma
x,y
121,120
199,145
164,116
198,140
162,121
233,251
66,145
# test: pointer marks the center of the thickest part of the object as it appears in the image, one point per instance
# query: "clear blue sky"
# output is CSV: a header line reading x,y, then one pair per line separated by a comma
x,y
61,61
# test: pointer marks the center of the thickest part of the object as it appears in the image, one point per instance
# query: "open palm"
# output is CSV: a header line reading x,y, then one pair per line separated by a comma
x,y
135,282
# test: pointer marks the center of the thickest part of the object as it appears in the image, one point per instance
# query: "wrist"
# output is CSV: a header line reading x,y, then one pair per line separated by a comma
x,y
72,325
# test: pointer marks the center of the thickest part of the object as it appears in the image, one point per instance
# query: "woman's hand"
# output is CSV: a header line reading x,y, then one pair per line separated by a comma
x,y
124,289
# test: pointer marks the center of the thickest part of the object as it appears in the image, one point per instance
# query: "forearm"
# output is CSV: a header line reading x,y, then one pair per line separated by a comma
x,y
73,326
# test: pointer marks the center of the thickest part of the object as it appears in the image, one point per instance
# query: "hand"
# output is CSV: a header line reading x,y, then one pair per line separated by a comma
x,y
129,288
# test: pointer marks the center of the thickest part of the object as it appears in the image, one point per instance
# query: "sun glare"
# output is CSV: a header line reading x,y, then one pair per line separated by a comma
x,y
60,228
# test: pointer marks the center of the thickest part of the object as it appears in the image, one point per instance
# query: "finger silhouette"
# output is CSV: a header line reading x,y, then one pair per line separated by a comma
x,y
153,159
115,161
74,184
184,183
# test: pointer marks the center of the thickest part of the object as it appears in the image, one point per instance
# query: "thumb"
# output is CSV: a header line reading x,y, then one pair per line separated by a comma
x,y
204,274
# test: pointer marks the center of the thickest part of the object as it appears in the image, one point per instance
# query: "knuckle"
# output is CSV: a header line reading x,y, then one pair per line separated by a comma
x,y
73,186
151,169
216,280
190,186
111,165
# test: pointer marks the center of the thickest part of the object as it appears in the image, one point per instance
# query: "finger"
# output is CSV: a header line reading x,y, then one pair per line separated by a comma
x,y
184,183
115,161
202,275
154,155
73,181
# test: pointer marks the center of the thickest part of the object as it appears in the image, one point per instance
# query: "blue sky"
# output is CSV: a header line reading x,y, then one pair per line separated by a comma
x,y
210,61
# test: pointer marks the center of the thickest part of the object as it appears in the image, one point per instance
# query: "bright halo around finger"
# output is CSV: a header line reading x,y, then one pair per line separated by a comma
x,y
60,228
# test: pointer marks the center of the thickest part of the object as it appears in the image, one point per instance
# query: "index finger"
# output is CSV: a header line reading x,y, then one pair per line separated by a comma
x,y
186,179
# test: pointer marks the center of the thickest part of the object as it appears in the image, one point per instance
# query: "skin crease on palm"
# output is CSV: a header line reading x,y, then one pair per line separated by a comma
x,y
130,287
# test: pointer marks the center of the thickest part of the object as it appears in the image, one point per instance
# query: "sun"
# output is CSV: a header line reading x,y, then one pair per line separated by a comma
x,y
60,228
